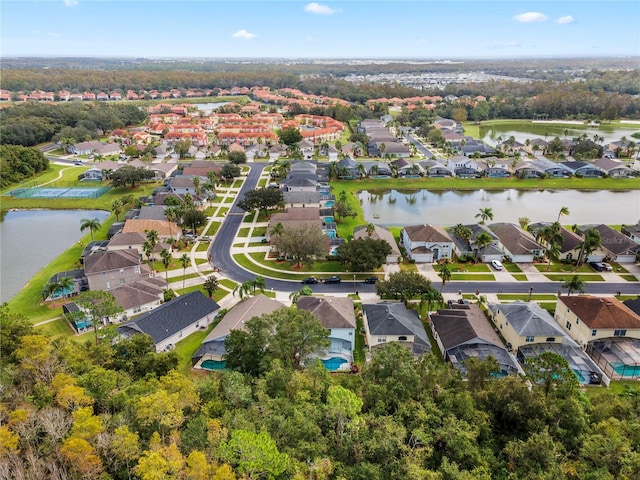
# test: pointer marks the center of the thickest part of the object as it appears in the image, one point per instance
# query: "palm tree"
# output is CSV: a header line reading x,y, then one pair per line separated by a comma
x,y
484,215
243,289
563,211
210,285
152,238
65,285
196,187
483,240
370,229
574,284
591,241
445,274
430,296
91,224
148,251
277,230
116,208
258,283
462,231
165,255
552,235
184,261
523,221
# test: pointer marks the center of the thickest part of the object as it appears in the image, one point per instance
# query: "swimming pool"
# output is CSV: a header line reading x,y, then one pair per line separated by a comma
x,y
329,203
328,220
329,233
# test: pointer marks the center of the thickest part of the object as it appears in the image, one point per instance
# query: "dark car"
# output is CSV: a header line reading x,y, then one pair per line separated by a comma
x,y
332,279
310,281
371,280
599,266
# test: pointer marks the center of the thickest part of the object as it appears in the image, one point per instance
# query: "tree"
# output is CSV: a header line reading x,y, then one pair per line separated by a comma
x,y
254,454
301,242
165,256
194,218
574,284
116,208
258,283
552,235
523,222
148,251
237,158
485,214
101,306
243,289
152,238
460,114
182,147
276,230
590,242
184,261
399,283
288,335
364,254
304,291
551,369
445,274
261,199
210,285
129,175
480,111
289,136
229,171
371,228
93,225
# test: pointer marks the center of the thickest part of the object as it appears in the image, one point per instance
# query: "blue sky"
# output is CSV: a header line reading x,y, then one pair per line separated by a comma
x,y
352,29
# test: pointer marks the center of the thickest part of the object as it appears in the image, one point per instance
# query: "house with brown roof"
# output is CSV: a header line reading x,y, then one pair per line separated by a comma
x,y
296,216
380,233
463,332
210,355
165,228
336,315
134,300
615,246
607,328
110,269
426,243
518,245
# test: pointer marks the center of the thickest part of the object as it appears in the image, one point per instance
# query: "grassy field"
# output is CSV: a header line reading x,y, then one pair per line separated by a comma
x,y
187,347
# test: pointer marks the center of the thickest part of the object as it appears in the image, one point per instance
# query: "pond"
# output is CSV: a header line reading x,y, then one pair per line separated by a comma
x,y
207,108
492,134
31,239
450,207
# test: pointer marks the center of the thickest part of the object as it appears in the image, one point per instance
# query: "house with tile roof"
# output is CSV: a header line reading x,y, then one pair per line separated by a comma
x,y
165,228
210,355
391,322
336,315
463,332
607,328
426,243
173,321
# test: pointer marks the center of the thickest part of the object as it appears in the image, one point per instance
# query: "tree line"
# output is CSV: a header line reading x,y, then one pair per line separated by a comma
x,y
18,164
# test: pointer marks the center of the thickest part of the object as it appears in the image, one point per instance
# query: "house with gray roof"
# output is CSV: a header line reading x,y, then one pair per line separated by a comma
x,y
531,331
153,212
210,355
300,183
392,322
570,248
110,269
463,332
134,300
463,247
434,168
380,233
616,246
632,231
302,198
615,168
173,321
584,169
516,244
336,315
426,243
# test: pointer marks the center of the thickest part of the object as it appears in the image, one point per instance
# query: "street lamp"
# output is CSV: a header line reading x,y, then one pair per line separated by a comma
x,y
354,282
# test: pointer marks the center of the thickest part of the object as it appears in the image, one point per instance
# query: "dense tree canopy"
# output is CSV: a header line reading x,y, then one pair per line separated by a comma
x,y
364,254
261,199
402,283
18,164
301,242
129,175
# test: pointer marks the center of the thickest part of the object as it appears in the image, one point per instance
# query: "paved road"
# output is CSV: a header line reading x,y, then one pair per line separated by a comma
x,y
421,148
220,252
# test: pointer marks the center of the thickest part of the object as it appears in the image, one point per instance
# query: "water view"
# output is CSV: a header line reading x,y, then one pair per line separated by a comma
x,y
31,239
492,135
411,207
207,108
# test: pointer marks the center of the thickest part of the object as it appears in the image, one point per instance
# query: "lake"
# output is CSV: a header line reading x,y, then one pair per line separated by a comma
x,y
414,207
31,239
547,131
207,108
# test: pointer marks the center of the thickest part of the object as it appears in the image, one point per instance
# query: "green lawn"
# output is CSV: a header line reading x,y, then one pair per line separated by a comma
x,y
469,267
358,350
259,232
203,247
479,277
230,284
511,267
519,277
56,328
185,348
629,278
213,229
562,268
557,277
243,232
525,296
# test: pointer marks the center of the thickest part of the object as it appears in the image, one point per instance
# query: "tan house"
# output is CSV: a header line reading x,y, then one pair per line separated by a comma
x,y
380,233
111,269
165,228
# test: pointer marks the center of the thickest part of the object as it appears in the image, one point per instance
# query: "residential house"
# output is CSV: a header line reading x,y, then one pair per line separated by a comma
x,y
463,247
307,149
296,216
570,248
377,169
434,168
110,269
380,233
463,332
173,321
615,246
530,331
212,351
614,168
426,243
494,167
302,198
463,167
392,322
519,246
608,329
84,148
276,151
135,300
336,315
632,231
165,228
583,169
348,168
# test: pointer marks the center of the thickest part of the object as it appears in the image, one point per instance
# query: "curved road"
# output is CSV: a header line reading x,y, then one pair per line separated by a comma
x,y
220,253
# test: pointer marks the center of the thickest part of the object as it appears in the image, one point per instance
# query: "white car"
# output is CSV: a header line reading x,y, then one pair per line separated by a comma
x,y
496,264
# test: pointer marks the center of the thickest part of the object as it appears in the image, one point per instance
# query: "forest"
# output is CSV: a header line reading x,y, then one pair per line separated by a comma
x,y
19,163
119,410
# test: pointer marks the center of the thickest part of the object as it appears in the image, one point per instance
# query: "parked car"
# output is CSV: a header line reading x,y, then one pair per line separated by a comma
x,y
332,279
310,281
496,264
601,266
77,162
371,280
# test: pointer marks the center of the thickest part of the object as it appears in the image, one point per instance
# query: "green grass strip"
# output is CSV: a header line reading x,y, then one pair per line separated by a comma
x,y
480,277
583,277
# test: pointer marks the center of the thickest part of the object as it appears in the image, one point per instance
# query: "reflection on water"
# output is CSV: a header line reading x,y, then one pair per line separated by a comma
x,y
449,207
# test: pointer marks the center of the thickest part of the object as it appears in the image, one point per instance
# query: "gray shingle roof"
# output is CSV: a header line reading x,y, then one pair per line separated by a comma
x,y
528,318
333,312
111,260
395,319
468,325
171,317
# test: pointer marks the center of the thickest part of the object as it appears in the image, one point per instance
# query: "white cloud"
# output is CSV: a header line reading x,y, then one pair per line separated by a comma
x,y
319,9
71,3
244,35
565,20
531,17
